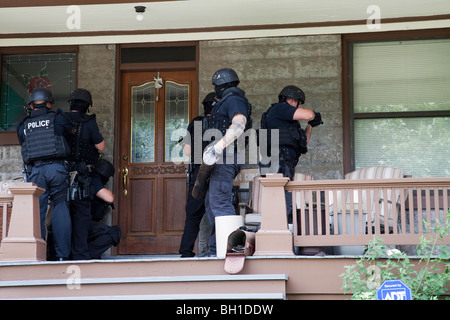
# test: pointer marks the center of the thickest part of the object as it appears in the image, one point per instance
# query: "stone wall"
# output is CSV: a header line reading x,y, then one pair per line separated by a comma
x,y
266,65
10,163
97,73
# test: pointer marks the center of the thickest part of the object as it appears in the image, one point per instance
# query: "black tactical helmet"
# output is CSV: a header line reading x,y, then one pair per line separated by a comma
x,y
292,92
223,76
210,98
81,94
41,94
104,168
209,102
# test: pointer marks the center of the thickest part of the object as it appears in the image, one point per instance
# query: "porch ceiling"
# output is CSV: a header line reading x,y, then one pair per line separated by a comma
x,y
21,24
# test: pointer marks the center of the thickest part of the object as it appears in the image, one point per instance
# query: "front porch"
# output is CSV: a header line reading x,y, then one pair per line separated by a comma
x,y
388,206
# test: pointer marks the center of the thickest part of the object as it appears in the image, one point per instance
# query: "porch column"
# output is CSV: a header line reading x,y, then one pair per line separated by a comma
x,y
274,237
24,242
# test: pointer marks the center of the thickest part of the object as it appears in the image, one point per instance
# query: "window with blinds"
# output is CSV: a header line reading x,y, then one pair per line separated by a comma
x,y
401,105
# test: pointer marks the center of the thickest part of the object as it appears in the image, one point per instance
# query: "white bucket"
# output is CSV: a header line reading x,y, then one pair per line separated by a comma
x,y
350,250
224,226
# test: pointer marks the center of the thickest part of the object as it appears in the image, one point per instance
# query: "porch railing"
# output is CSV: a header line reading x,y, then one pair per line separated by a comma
x,y
352,212
20,224
327,213
5,214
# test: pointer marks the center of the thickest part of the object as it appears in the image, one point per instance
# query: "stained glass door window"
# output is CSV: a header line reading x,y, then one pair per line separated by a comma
x,y
176,120
143,122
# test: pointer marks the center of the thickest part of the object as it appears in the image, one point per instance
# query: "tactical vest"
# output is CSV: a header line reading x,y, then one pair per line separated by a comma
x,y
291,136
82,149
221,121
41,141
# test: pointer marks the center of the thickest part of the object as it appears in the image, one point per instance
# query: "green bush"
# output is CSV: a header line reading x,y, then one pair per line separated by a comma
x,y
379,264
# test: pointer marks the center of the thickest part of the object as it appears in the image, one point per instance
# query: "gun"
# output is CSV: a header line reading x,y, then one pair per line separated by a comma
x,y
25,173
74,190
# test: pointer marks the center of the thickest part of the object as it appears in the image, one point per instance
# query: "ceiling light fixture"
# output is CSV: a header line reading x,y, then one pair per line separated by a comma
x,y
139,12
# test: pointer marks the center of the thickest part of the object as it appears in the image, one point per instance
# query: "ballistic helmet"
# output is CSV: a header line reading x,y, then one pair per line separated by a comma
x,y
41,94
81,94
223,76
104,168
292,92
209,102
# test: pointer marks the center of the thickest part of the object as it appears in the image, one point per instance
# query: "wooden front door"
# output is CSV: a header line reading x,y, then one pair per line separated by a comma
x,y
155,108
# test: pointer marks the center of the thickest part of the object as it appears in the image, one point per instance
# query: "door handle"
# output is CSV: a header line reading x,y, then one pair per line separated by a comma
x,y
125,174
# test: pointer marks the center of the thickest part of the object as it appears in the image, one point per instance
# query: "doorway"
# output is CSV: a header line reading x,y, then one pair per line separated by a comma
x,y
155,108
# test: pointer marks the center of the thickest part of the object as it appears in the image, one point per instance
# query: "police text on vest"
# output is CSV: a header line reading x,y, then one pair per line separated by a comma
x,y
38,124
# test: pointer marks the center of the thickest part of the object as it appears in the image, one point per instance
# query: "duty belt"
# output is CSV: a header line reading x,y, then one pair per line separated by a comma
x,y
40,163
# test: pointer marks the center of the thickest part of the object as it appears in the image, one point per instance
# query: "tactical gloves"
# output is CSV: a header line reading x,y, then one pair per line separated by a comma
x,y
212,153
316,121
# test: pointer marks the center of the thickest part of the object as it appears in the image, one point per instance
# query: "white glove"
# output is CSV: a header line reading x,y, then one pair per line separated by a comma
x,y
212,153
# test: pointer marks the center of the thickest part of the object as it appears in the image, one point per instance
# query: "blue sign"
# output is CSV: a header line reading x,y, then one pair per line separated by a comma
x,y
394,290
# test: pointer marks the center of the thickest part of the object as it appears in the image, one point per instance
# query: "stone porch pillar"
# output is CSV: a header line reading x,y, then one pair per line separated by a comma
x,y
274,237
24,242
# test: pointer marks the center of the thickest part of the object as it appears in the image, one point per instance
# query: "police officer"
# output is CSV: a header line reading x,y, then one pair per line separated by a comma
x,y
284,116
85,144
195,208
101,236
43,136
231,116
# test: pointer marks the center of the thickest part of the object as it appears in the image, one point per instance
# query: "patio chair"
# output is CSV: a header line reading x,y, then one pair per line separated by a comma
x,y
252,212
384,199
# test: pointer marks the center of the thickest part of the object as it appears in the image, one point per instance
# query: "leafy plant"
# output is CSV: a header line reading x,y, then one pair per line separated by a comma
x,y
379,264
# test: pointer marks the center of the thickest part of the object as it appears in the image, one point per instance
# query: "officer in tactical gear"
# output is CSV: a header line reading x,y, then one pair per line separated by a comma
x,y
43,136
195,208
230,116
284,116
85,144
101,236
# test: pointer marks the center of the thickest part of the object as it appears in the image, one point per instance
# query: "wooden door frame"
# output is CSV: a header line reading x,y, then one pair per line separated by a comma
x,y
144,67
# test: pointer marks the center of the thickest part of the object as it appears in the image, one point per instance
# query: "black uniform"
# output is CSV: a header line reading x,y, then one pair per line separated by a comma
x,y
100,236
84,154
292,142
195,208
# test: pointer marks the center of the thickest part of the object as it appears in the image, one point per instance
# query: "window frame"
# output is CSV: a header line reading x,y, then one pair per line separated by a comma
x,y
10,137
348,116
